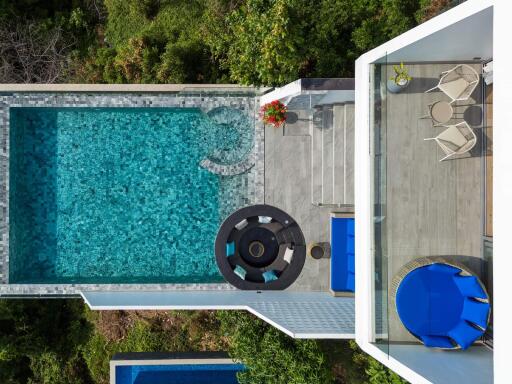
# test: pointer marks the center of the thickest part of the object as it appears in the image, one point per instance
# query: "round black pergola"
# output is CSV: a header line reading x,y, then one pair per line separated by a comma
x,y
259,247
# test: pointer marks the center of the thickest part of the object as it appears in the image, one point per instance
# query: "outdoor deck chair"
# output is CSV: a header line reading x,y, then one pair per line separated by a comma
x,y
455,139
458,83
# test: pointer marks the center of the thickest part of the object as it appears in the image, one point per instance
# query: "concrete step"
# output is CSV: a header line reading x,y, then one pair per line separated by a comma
x,y
339,153
332,155
349,153
316,156
328,156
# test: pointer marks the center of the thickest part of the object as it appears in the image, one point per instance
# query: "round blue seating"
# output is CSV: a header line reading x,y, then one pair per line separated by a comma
x,y
442,307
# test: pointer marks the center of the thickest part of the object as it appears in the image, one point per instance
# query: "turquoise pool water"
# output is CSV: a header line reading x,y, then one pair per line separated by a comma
x,y
118,196
178,374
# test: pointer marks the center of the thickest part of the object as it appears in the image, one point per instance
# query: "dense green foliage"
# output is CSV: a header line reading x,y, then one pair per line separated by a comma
x,y
40,40
261,42
61,341
270,355
152,42
40,341
272,42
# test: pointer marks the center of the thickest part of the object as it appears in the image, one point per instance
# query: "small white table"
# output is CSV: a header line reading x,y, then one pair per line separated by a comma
x,y
441,111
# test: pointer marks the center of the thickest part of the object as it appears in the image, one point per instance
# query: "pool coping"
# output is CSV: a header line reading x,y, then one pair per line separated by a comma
x,y
130,88
178,358
156,98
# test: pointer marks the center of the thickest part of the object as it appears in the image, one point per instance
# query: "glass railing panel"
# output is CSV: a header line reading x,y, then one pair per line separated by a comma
x,y
378,145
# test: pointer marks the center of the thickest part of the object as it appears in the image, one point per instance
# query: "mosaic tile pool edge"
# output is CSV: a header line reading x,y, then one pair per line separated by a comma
x,y
122,100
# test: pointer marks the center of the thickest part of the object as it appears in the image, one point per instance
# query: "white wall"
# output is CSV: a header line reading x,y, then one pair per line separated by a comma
x,y
469,38
502,190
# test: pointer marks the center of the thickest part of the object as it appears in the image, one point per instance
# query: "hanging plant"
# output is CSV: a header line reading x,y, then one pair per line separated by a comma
x,y
273,113
401,77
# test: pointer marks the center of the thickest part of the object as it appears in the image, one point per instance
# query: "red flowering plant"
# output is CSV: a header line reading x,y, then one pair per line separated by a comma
x,y
273,113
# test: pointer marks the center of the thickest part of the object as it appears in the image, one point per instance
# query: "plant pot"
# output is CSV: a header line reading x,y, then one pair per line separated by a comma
x,y
395,87
319,250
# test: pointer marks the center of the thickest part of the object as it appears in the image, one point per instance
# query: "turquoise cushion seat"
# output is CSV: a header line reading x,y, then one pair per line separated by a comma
x,y
240,272
269,276
230,249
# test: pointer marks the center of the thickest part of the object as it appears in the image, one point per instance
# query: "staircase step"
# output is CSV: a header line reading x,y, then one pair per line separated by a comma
x,y
332,155
349,153
316,157
327,156
339,154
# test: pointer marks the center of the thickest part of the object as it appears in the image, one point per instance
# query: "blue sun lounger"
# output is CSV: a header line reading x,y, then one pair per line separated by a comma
x,y
342,253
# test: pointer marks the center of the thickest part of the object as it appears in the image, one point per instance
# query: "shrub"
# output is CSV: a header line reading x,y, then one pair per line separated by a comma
x,y
271,356
376,372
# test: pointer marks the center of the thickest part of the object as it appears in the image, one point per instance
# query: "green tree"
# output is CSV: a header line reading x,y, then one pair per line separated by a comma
x,y
40,341
272,42
270,355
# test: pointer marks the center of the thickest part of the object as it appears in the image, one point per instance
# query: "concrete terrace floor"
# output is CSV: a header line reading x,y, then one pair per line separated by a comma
x,y
432,208
288,187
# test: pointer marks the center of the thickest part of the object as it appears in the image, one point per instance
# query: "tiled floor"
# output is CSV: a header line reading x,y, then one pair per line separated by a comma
x,y
288,186
432,208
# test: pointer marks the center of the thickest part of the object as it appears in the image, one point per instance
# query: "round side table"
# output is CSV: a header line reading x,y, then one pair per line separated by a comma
x,y
441,111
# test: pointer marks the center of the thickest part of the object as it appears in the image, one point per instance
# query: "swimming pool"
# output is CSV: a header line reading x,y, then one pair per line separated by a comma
x,y
178,374
117,195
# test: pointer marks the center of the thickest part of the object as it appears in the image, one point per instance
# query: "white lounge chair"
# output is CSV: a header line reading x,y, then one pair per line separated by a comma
x,y
458,83
455,139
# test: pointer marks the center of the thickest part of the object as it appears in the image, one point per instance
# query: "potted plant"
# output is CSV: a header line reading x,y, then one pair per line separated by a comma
x,y
400,80
273,113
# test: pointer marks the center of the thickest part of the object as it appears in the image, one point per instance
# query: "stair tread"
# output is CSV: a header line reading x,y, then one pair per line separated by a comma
x,y
332,155
327,156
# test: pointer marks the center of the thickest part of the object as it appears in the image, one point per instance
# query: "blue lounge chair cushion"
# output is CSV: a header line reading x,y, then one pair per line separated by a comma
x,y
476,312
351,261
444,268
432,303
437,341
465,334
230,249
342,254
240,272
469,286
351,282
428,301
269,276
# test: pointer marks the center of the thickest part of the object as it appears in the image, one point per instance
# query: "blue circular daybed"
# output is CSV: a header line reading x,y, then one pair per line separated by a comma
x,y
441,303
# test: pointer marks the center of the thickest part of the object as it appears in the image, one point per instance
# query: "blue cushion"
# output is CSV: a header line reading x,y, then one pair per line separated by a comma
x,y
438,267
469,286
437,341
351,282
433,303
464,334
240,272
269,276
351,261
342,254
476,312
230,249
428,301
